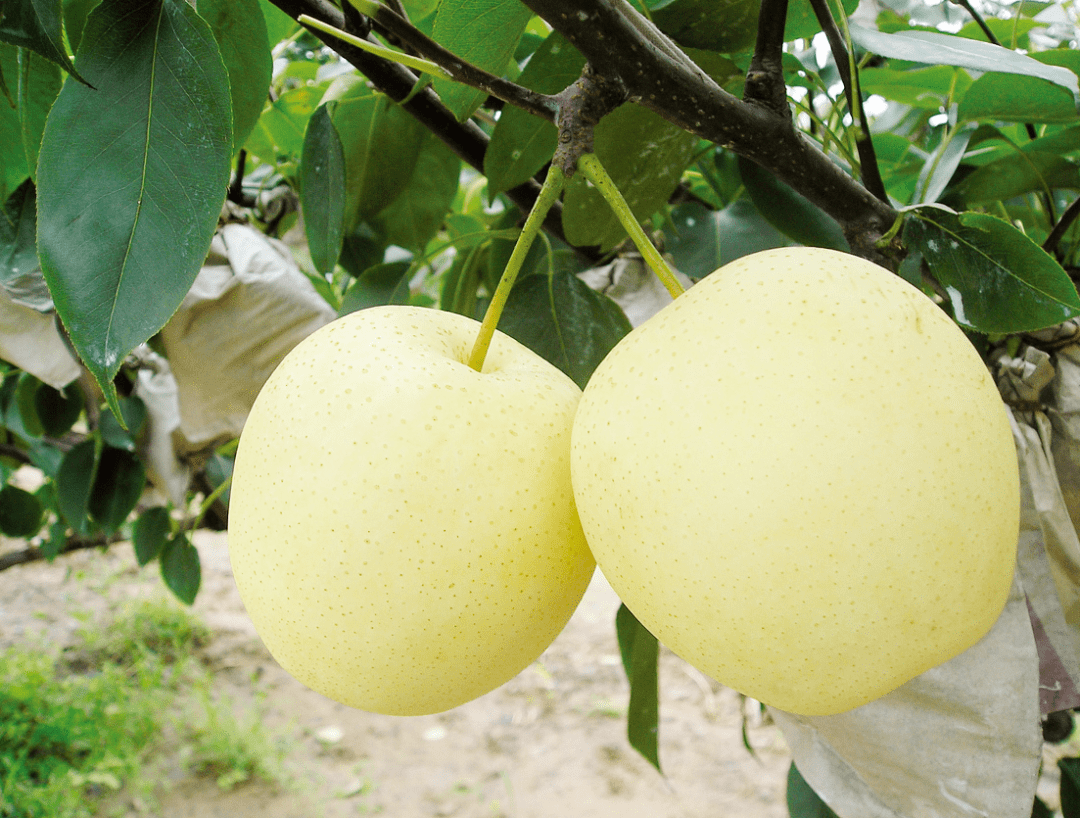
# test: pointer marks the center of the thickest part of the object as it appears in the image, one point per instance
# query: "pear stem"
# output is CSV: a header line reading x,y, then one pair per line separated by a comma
x,y
550,191
595,173
416,63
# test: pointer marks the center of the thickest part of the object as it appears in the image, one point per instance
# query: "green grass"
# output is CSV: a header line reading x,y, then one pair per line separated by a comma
x,y
107,714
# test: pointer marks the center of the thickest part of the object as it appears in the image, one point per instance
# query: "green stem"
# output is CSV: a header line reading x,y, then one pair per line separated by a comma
x,y
416,63
595,173
211,498
550,191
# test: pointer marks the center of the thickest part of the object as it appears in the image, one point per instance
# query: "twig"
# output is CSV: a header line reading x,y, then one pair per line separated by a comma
x,y
34,553
1064,223
13,452
765,77
849,75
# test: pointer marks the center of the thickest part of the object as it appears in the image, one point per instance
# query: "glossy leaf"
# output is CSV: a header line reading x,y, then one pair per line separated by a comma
x,y
482,32
1015,175
920,87
240,31
1017,98
802,801
181,569
118,484
150,533
415,215
39,85
13,167
322,189
39,26
790,212
640,653
21,513
18,240
941,165
645,157
132,176
74,480
702,240
58,409
997,279
382,284
522,143
935,48
564,321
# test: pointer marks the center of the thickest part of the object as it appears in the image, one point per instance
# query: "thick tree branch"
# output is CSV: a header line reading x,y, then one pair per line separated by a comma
x,y
609,33
465,139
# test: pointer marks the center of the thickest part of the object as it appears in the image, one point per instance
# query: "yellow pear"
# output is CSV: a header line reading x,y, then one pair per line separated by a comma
x,y
402,527
800,477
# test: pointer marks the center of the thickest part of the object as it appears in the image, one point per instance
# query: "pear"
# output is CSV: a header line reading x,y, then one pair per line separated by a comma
x,y
800,477
402,528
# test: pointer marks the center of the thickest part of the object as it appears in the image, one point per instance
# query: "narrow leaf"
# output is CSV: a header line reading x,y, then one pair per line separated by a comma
x,y
790,212
997,279
13,168
640,653
39,26
120,480
482,32
180,568
322,189
1017,98
132,176
802,801
1018,173
150,533
935,48
74,480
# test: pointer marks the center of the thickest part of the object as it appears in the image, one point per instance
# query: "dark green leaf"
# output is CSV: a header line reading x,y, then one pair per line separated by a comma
x,y
382,284
21,416
322,189
133,411
645,156
13,167
936,48
564,321
58,409
705,239
790,212
39,26
522,143
1070,787
240,30
18,241
150,533
921,87
132,176
1017,98
1021,172
74,479
21,512
482,32
180,568
640,656
55,540
997,279
75,13
414,217
462,281
1040,810
46,457
39,84
118,484
802,801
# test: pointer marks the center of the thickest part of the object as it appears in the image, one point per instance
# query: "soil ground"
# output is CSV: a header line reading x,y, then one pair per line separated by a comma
x,y
551,742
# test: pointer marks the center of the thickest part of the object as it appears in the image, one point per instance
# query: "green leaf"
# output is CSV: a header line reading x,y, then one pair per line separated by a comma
x,y
58,409
1070,787
704,240
790,212
132,176
18,241
39,85
1017,174
482,32
240,30
415,216
564,321
180,568
936,48
134,413
39,26
279,25
150,533
997,279
278,137
1017,98
927,88
382,284
74,480
13,167
1040,810
118,484
21,414
522,143
21,513
802,801
640,653
322,189
645,156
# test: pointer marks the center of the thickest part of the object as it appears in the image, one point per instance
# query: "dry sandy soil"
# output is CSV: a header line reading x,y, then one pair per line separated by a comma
x,y
549,743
